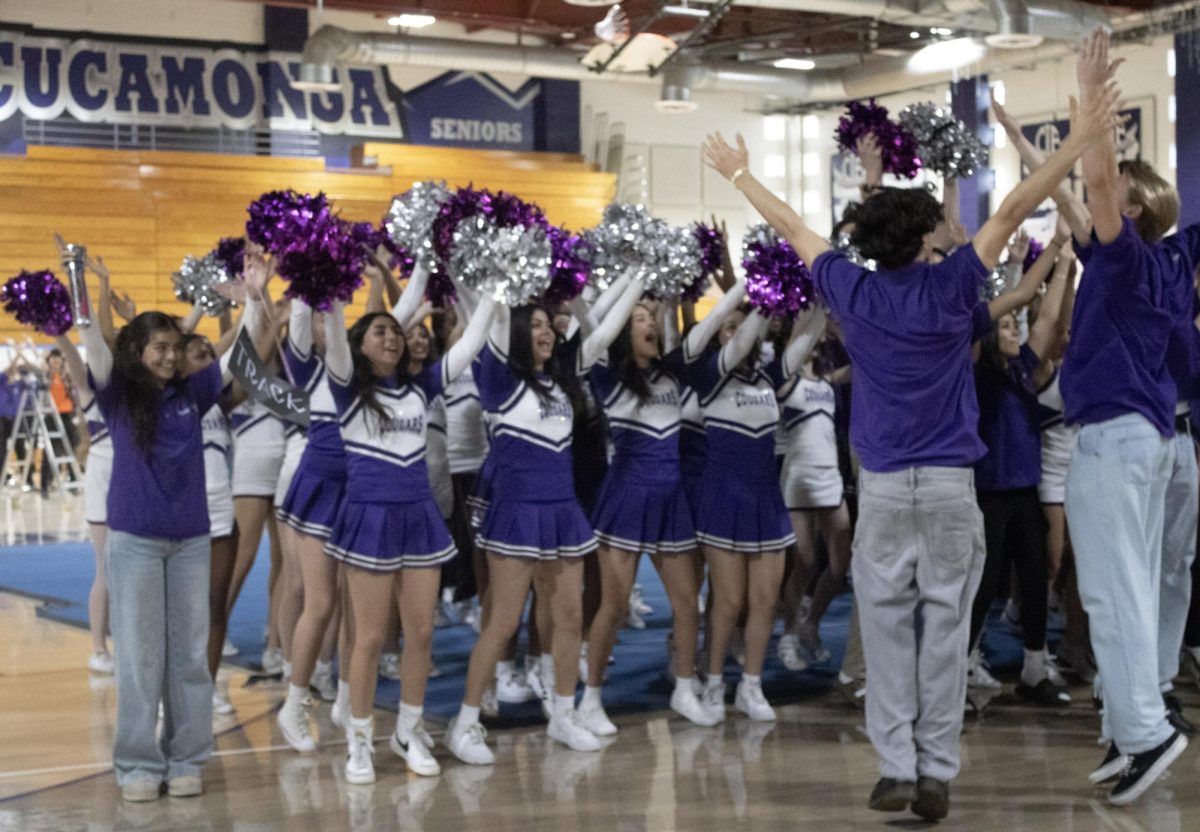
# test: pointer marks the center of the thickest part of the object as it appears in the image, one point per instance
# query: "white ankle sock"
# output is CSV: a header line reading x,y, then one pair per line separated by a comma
x,y
467,716
408,717
287,669
343,694
363,725
563,705
591,698
1034,669
323,668
715,680
751,679
683,682
505,667
295,696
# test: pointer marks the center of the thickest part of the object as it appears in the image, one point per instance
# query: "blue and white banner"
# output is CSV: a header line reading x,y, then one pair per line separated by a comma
x,y
134,83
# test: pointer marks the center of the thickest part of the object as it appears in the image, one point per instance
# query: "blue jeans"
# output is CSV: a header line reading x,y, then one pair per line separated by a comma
x,y
158,605
918,557
1116,494
1178,552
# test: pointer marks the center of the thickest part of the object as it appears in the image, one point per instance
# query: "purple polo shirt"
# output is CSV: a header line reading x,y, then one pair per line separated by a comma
x,y
909,333
1009,424
1131,297
160,493
10,397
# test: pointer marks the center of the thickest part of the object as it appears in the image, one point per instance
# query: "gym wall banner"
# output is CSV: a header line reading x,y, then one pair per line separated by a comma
x,y
49,76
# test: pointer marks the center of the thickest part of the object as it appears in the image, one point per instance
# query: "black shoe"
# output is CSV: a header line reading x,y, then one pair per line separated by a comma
x,y
933,799
1175,715
1145,768
892,795
1044,693
1110,768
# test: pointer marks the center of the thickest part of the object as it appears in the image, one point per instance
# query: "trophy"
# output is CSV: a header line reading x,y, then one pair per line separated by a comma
x,y
73,259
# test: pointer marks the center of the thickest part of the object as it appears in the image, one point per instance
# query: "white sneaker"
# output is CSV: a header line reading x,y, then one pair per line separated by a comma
x,y
788,651
229,649
414,746
634,620
272,661
472,617
685,703
637,602
389,666
221,703
469,744
360,758
569,729
595,720
323,683
750,701
489,704
512,687
294,725
713,700
978,675
101,663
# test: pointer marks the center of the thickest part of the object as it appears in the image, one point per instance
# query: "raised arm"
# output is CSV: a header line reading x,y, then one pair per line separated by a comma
x,y
103,305
1027,288
704,330
99,356
413,295
300,333
598,342
373,271
1100,172
734,166
740,345
338,360
1089,122
668,326
1044,334
459,357
76,368
808,329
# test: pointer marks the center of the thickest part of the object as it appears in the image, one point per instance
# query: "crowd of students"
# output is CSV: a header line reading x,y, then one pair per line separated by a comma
x,y
468,460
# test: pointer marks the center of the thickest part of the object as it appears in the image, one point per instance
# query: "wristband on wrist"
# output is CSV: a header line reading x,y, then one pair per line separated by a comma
x,y
736,175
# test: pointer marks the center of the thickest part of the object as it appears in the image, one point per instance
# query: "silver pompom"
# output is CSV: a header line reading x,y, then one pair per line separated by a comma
x,y
677,266
626,236
512,264
196,280
946,145
995,284
843,244
410,219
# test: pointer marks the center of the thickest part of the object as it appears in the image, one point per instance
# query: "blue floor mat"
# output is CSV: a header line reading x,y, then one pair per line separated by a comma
x,y
61,573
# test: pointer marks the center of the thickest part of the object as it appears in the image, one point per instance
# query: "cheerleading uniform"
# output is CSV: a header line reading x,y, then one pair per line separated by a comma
x,y
811,478
1057,439
435,457
218,487
258,449
641,505
532,511
294,440
98,475
739,507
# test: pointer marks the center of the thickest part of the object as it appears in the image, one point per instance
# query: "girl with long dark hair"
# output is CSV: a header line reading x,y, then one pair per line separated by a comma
x,y
159,555
388,528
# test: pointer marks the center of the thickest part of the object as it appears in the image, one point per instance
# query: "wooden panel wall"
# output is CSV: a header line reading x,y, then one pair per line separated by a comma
x,y
143,211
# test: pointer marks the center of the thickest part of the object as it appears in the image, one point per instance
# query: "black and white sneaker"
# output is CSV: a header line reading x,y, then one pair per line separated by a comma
x,y
1113,764
1143,769
1175,715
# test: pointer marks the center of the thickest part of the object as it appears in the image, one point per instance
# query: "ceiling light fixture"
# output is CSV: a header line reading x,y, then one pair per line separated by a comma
x,y
412,21
795,63
946,55
685,11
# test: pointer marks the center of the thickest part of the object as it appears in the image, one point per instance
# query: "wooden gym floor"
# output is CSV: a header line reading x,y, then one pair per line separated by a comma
x,y
1024,769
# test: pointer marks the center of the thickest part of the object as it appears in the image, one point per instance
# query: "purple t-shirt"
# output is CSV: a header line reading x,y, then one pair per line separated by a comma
x,y
10,398
160,493
1130,298
1009,424
909,333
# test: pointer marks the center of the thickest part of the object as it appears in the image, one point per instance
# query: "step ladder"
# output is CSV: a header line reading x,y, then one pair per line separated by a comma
x,y
39,425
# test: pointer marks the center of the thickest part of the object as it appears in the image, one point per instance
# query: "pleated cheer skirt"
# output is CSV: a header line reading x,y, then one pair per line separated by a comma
x,y
541,531
385,537
312,502
640,517
742,516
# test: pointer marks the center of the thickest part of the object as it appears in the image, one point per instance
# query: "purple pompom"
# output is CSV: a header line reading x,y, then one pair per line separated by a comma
x,y
1031,256
231,251
777,280
712,258
40,300
286,221
329,265
569,268
465,202
900,154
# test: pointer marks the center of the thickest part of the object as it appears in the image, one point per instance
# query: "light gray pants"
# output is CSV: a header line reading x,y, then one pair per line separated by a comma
x,y
918,557
1179,550
158,598
1115,501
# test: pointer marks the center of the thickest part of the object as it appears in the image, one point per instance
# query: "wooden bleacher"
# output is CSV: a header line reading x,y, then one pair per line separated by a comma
x,y
142,211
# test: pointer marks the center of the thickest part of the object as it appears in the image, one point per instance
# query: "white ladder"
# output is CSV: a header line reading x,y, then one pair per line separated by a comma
x,y
39,424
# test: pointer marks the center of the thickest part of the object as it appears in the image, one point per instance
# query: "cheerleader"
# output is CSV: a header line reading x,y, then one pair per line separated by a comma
x,y
741,521
388,528
309,510
918,547
534,528
811,482
158,548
